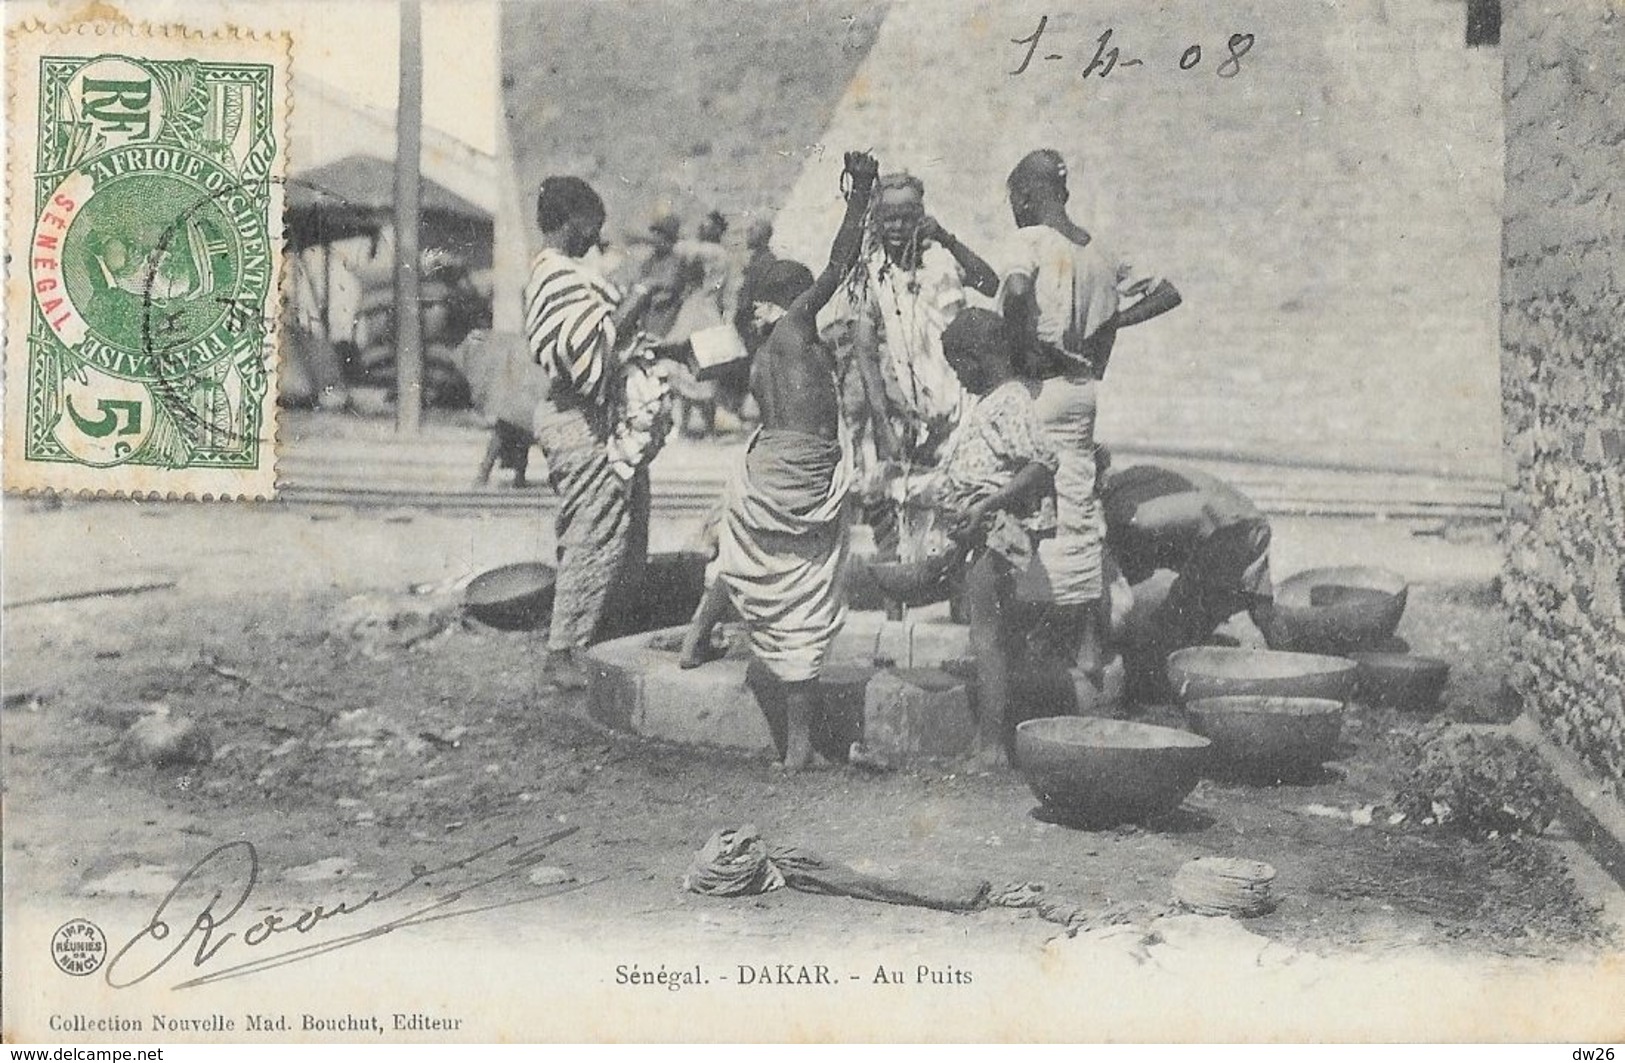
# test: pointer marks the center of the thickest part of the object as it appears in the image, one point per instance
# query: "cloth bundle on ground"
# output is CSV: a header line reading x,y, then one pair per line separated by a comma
x,y
740,862
1222,885
1037,898
782,549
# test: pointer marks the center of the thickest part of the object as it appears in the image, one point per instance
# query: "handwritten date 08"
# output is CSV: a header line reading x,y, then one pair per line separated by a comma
x,y
1108,56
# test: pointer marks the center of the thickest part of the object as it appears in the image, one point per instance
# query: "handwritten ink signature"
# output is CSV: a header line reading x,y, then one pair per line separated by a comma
x,y
218,887
1108,56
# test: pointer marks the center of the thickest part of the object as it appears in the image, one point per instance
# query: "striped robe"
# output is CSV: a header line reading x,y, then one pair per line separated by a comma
x,y
602,526
568,323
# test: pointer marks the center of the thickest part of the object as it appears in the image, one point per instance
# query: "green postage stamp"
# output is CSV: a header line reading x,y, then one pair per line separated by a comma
x,y
145,170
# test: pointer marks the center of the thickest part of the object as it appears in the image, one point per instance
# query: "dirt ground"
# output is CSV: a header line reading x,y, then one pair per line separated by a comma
x,y
378,762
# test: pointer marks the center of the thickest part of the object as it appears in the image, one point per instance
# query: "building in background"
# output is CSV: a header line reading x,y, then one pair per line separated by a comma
x,y
342,125
340,207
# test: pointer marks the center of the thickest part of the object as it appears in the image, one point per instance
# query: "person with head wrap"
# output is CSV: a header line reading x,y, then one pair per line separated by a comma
x,y
995,488
574,320
1066,296
912,285
782,547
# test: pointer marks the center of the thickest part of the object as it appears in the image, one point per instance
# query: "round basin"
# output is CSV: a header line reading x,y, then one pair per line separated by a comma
x,y
1107,771
1327,610
913,583
667,590
1401,680
1216,672
1254,730
515,597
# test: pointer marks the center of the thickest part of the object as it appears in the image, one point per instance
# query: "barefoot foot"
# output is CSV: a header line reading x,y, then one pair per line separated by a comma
x,y
564,673
698,652
798,756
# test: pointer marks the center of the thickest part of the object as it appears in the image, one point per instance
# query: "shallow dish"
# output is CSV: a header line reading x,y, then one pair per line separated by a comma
x,y
516,597
1216,671
1254,730
1333,609
1401,680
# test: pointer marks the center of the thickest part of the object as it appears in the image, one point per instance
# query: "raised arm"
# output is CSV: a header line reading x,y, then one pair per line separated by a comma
x,y
1158,301
978,274
848,245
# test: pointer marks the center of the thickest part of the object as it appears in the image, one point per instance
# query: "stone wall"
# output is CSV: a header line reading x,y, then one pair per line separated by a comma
x,y
1563,370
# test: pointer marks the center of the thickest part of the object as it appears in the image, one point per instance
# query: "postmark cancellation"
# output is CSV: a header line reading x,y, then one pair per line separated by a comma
x,y
144,175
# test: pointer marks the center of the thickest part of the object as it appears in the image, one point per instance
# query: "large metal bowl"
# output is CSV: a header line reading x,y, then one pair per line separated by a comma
x,y
913,583
1250,730
1328,610
666,591
1216,672
1107,771
514,597
1401,680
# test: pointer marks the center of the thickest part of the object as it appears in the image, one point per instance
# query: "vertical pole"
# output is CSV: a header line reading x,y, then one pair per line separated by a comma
x,y
327,292
1483,23
511,251
408,262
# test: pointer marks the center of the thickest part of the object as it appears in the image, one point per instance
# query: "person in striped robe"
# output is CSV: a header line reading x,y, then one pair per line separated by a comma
x,y
573,321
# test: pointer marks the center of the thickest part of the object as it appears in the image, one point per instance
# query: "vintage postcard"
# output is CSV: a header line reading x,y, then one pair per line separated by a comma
x,y
812,520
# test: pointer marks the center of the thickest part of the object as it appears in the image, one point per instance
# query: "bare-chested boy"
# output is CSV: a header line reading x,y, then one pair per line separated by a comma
x,y
783,544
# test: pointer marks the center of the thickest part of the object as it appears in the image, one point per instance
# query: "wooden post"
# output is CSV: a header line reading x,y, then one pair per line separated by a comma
x,y
511,246
327,292
1483,23
408,261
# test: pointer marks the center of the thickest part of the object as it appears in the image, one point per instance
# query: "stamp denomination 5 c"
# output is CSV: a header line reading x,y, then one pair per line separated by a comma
x,y
145,275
